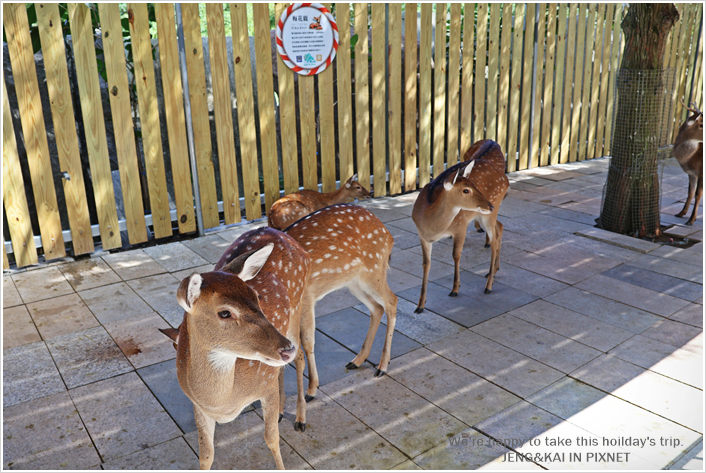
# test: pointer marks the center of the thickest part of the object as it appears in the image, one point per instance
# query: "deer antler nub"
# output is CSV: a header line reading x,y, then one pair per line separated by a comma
x,y
693,110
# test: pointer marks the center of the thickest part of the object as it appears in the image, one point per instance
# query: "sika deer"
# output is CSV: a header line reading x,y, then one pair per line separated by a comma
x,y
689,151
241,325
292,207
349,247
470,190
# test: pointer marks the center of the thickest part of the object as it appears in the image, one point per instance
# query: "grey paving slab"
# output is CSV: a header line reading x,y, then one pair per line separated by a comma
x,y
692,460
454,389
646,389
18,328
173,454
122,416
335,301
677,254
399,281
692,314
605,250
677,334
507,368
46,434
180,275
87,356
405,224
681,230
514,207
407,465
411,262
606,310
41,284
133,264
88,273
549,267
29,373
624,241
61,316
331,358
335,439
210,247
670,268
411,423
114,302
542,220
565,251
161,379
141,341
527,281
385,214
160,293
232,233
10,296
656,282
175,256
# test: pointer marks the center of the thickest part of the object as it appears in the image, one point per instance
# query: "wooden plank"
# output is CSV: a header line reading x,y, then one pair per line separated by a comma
x,y
614,55
199,114
307,114
266,105
696,91
673,58
515,86
603,96
395,97
586,87
378,86
479,79
568,85
698,19
149,119
466,99
224,119
52,39
452,70
595,83
425,96
326,124
557,111
504,87
343,84
524,143
410,98
491,126
13,190
5,261
550,53
33,129
684,60
439,87
362,114
536,125
578,81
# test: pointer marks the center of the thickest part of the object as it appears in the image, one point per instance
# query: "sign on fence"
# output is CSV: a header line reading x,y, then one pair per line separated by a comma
x,y
307,38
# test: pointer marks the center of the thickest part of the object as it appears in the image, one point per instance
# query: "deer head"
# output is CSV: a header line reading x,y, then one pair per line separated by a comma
x,y
353,190
463,194
227,316
692,128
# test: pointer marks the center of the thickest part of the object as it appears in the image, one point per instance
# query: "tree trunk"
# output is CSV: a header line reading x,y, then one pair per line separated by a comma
x,y
631,201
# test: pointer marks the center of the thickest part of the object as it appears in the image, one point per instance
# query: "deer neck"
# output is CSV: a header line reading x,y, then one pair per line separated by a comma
x,y
433,219
339,196
684,149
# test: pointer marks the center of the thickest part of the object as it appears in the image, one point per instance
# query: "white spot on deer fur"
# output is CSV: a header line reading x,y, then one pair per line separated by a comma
x,y
338,270
346,267
327,255
319,260
251,363
248,247
360,218
315,274
315,224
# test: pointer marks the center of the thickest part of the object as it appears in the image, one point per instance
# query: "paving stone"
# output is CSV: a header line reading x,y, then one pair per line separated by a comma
x,y
399,281
141,341
331,359
385,214
133,264
670,268
549,267
538,219
88,273
335,439
162,380
456,390
680,230
411,262
403,239
61,316
425,328
606,310
527,281
122,416
29,373
18,328
10,296
405,224
114,302
656,282
508,369
210,247
589,408
605,250
160,293
407,465
233,232
645,299
180,275
173,454
515,207
411,423
87,356
565,251
692,314
594,333
692,460
542,345
41,284
46,434
677,334
175,256
335,301
676,254
648,390
551,173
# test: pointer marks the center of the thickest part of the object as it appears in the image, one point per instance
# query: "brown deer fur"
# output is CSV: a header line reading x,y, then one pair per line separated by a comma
x,y
689,151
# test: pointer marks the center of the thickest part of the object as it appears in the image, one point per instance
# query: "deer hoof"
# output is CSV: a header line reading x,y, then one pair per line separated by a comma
x,y
453,294
300,426
487,245
487,291
480,230
680,214
281,416
308,398
379,373
690,222
352,366
419,310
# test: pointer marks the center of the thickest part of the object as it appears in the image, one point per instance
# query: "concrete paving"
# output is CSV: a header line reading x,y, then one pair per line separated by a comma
x,y
587,354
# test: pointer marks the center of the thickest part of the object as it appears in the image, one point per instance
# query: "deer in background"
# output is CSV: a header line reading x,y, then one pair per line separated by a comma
x,y
349,247
292,207
470,190
689,151
241,326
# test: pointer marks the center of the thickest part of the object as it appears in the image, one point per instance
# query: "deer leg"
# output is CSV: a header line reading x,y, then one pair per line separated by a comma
x,y
426,262
300,421
269,410
479,229
699,192
459,239
376,311
206,427
307,332
495,244
690,195
282,395
391,310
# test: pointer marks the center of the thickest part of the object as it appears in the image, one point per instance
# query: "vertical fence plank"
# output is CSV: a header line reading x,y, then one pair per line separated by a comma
x,y
586,87
479,79
266,104
550,53
682,63
515,85
439,87
149,116
536,124
696,91
695,44
566,113
49,23
524,143
362,116
504,88
466,99
199,114
558,86
33,129
395,98
425,96
603,95
673,54
224,119
595,83
493,59
452,70
174,114
326,123
13,191
378,86
614,54
5,261
410,88
578,79
343,83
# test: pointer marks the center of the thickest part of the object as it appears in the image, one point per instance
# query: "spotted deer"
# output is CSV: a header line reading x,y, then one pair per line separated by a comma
x,y
689,151
292,207
241,325
349,247
469,191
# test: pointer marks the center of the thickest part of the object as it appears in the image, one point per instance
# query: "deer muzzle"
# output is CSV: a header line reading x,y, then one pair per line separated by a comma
x,y
287,354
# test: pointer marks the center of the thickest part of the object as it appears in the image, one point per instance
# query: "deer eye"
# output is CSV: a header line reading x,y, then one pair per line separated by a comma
x,y
224,314
466,191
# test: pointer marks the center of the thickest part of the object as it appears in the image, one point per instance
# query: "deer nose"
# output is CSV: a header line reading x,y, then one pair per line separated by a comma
x,y
491,207
287,353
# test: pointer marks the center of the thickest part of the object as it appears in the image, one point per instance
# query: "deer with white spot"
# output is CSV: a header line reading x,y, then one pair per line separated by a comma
x,y
241,326
469,191
292,207
349,247
689,151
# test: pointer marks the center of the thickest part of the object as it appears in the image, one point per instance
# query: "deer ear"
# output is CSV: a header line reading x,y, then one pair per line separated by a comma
x,y
189,291
247,265
467,171
449,183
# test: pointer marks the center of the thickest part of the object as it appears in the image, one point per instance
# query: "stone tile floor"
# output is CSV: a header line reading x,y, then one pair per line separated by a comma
x,y
586,335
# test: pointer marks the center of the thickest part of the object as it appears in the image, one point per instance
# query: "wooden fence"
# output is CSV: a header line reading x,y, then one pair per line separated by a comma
x,y
537,78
